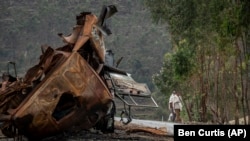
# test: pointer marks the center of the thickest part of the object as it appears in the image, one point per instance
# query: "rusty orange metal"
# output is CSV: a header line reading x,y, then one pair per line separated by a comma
x,y
70,87
72,94
64,89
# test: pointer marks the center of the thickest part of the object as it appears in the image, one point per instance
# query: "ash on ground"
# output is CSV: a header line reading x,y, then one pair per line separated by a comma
x,y
130,132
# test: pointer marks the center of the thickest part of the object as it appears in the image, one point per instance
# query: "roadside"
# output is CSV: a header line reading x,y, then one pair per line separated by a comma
x,y
137,130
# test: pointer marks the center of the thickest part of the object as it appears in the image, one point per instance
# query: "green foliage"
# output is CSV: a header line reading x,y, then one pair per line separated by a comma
x,y
210,38
164,80
182,63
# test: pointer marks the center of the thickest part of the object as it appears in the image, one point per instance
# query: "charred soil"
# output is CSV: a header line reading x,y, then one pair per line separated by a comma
x,y
122,132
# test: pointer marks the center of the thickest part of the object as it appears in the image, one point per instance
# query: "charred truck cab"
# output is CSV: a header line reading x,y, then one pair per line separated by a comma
x,y
72,86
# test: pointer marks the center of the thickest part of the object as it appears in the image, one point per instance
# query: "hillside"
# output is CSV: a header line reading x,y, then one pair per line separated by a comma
x,y
27,25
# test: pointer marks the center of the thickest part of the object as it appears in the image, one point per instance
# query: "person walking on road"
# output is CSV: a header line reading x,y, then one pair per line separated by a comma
x,y
175,106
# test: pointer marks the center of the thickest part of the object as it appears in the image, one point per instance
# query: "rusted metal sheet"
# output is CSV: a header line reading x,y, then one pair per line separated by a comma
x,y
64,90
70,87
73,94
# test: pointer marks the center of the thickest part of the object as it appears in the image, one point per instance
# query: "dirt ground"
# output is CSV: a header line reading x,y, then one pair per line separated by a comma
x,y
117,136
122,132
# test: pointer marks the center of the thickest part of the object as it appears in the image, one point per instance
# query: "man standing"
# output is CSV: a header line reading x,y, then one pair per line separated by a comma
x,y
175,106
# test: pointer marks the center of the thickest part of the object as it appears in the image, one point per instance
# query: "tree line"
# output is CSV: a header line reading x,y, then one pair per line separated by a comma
x,y
209,61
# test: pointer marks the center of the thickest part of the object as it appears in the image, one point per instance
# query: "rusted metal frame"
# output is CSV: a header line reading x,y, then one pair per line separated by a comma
x,y
156,105
132,99
117,94
127,114
99,101
125,111
126,105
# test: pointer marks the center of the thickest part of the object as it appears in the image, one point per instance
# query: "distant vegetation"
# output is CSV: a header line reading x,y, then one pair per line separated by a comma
x,y
26,25
210,62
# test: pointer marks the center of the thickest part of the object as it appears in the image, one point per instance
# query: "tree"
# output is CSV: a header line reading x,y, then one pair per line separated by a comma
x,y
215,33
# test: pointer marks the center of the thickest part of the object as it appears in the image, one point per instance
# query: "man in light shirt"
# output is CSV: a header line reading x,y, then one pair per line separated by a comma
x,y
175,106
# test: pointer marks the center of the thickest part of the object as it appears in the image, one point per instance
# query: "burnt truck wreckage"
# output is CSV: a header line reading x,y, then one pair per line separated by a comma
x,y
73,86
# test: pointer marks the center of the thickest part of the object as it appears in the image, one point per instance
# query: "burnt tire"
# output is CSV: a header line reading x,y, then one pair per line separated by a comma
x,y
107,123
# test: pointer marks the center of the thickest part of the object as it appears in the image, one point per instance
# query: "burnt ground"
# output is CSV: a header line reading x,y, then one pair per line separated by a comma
x,y
117,136
130,132
122,132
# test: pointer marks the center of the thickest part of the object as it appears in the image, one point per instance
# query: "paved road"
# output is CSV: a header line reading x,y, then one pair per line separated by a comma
x,y
154,124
